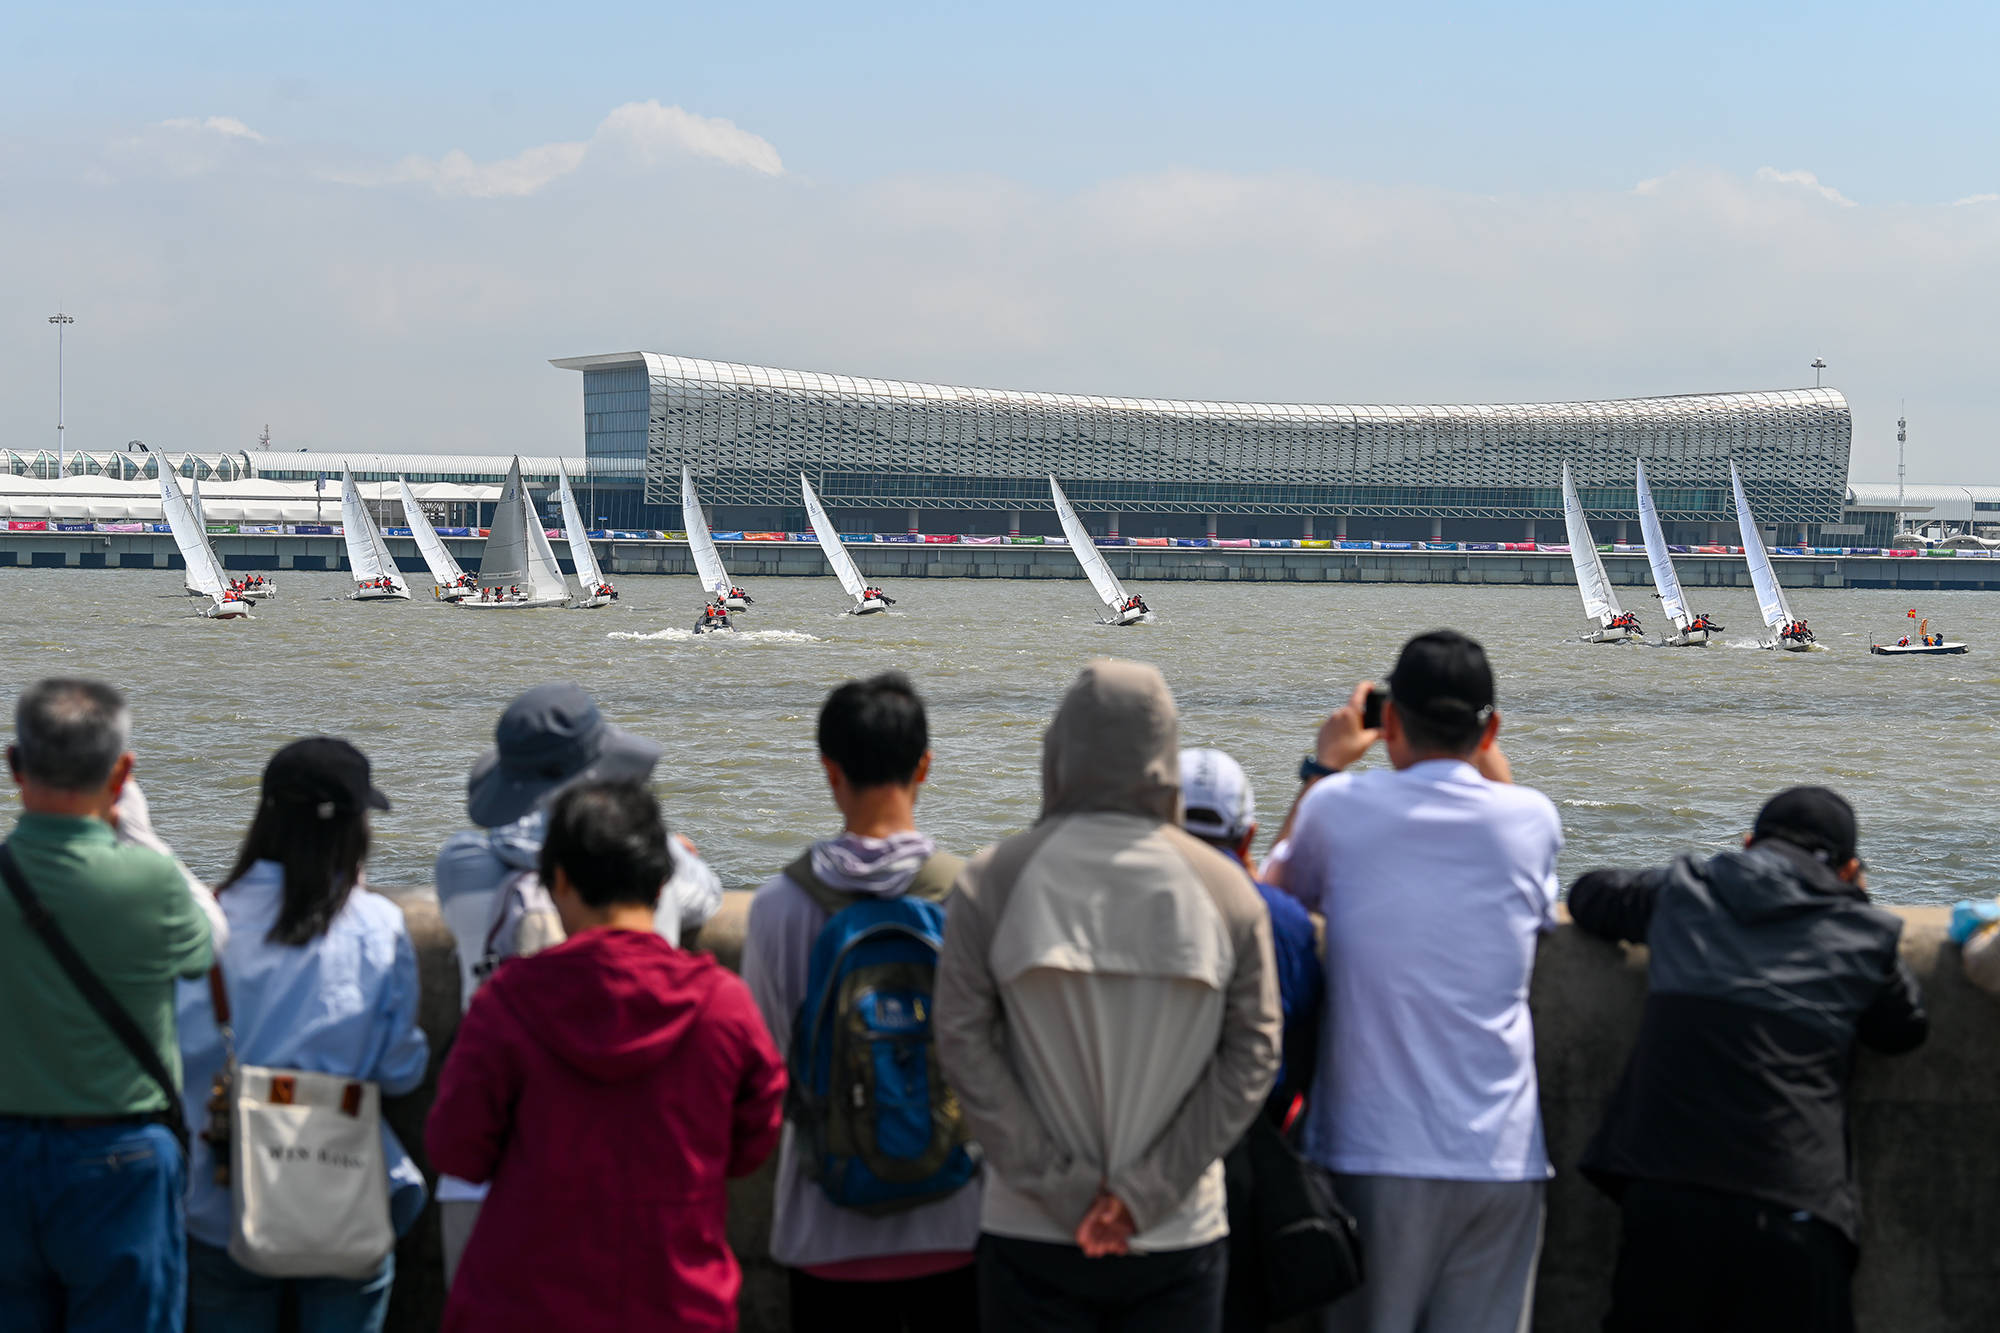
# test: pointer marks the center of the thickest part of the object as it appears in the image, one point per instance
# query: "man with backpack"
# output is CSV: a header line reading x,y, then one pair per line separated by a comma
x,y
1107,1009
878,1197
489,886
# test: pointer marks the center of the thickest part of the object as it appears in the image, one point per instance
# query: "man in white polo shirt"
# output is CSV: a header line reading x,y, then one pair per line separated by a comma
x,y
1435,878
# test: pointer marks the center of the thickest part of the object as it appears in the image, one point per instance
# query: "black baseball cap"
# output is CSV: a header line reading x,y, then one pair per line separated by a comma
x,y
323,775
549,737
1817,819
1443,677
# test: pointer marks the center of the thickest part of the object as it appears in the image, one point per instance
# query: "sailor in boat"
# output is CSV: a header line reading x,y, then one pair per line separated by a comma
x,y
1626,620
514,592
1797,631
1903,642
714,616
1135,603
870,595
1701,624
606,590
738,594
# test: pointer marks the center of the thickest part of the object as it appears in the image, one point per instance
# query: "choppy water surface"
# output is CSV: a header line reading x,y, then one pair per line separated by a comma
x,y
1647,751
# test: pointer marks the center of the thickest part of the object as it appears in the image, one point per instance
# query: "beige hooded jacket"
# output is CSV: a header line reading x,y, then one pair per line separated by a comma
x,y
1107,1008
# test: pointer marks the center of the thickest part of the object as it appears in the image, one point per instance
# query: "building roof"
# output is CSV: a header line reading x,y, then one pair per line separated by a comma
x,y
308,464
1956,503
811,381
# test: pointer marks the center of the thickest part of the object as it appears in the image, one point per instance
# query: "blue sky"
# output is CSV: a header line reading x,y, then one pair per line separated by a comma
x,y
374,225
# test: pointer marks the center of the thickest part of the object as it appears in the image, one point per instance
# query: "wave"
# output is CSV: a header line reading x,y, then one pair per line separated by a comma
x,y
735,636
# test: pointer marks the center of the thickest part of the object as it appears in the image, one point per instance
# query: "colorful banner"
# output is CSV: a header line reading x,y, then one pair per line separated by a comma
x,y
941,538
1552,548
984,541
1277,544
1517,546
1190,541
1482,546
858,538
76,527
1027,541
27,525
1315,543
309,529
121,527
907,538
1232,542
1440,546
727,536
1397,546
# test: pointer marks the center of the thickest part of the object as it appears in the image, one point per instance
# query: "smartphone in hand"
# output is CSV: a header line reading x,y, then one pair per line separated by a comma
x,y
1371,709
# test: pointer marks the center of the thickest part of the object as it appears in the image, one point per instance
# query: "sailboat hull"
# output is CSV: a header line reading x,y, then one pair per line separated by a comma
x,y
737,603
444,594
513,604
263,594
1127,618
1698,639
1916,650
592,602
381,595
226,611
870,607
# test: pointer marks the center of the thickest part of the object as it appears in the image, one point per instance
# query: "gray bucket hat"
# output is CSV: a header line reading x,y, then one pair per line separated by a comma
x,y
549,737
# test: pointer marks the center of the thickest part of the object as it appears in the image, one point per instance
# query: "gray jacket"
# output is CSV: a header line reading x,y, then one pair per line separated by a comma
x,y
1107,1005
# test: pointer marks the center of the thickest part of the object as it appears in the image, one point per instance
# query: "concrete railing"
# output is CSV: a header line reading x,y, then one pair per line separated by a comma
x,y
1926,1128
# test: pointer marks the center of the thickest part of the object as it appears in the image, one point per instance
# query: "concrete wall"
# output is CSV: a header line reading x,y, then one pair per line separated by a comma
x,y
1926,1127
1141,564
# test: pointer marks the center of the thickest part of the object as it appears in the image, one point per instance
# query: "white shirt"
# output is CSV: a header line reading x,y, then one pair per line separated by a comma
x,y
1434,884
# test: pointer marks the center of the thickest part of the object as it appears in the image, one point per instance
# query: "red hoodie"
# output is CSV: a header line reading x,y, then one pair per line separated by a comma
x,y
608,1087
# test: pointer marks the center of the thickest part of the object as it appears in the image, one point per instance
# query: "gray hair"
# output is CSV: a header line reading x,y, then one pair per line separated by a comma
x,y
69,733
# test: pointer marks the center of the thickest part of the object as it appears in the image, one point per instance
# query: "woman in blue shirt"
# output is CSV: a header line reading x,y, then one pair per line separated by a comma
x,y
320,977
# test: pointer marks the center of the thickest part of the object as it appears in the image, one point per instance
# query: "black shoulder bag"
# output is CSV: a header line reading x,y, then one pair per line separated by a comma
x,y
93,989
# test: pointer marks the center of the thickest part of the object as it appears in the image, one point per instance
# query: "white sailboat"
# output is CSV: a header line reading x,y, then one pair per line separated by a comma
x,y
1792,634
1690,630
517,570
594,591
707,561
263,588
1600,602
204,572
867,599
376,578
1124,608
449,583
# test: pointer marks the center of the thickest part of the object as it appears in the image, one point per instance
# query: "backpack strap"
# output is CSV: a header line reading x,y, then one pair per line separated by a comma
x,y
932,882
92,988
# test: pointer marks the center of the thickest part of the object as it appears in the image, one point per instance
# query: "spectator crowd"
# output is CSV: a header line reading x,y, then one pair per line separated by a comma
x,y
1110,1073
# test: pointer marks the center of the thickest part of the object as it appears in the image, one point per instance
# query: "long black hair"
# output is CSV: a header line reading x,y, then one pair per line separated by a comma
x,y
322,860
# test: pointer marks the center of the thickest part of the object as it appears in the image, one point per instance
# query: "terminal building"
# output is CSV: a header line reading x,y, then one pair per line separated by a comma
x,y
896,456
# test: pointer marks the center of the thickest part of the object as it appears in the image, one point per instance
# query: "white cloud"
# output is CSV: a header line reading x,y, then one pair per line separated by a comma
x,y
1807,180
647,132
1976,199
227,126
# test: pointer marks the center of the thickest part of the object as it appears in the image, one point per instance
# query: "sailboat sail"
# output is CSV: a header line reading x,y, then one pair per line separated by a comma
x,y
1770,597
544,574
444,570
367,554
707,562
204,571
1664,578
504,564
829,542
194,503
587,573
1599,601
1109,590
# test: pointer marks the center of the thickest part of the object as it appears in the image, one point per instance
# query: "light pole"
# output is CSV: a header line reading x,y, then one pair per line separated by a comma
x,y
61,321
1818,365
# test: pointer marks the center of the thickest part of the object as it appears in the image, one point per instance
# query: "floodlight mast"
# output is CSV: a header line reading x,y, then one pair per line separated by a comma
x,y
61,321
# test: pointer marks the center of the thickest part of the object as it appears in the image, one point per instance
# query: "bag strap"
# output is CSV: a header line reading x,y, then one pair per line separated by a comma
x,y
93,990
932,882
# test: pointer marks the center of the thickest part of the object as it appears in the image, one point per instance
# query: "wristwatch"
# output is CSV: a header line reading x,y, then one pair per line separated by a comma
x,y
1312,770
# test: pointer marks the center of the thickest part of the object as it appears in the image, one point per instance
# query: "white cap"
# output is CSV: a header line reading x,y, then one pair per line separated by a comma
x,y
1216,795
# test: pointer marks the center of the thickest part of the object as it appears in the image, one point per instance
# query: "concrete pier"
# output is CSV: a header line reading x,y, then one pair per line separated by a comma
x,y
1923,1131
1141,564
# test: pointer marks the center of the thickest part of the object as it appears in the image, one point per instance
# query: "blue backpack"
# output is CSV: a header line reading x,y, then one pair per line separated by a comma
x,y
878,1126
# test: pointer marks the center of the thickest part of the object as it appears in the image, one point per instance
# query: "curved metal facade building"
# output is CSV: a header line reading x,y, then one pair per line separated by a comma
x,y
748,431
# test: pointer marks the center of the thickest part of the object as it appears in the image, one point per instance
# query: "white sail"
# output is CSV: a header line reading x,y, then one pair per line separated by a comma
x,y
587,572
829,542
707,561
204,571
1664,578
1770,597
194,503
368,555
444,570
544,574
1599,601
1109,590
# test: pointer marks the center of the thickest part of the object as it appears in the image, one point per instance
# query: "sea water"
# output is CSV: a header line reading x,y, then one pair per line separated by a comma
x,y
1647,751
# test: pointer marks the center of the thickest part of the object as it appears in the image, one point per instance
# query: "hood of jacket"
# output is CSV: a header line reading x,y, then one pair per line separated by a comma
x,y
1114,746
880,867
611,1004
1772,879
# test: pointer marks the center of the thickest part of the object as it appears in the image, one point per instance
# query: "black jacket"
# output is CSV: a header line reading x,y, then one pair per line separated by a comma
x,y
1765,969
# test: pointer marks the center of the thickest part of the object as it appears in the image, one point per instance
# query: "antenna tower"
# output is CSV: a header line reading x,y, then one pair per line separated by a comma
x,y
1902,434
264,440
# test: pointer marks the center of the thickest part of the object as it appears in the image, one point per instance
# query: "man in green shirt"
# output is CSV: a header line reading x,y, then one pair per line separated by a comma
x,y
91,1234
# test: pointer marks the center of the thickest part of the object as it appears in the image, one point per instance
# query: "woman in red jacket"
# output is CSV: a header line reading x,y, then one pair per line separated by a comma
x,y
608,1087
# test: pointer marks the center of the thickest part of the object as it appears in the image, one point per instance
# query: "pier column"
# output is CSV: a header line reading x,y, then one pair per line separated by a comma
x,y
1013,523
1340,527
1308,526
1437,529
1528,530
1624,534
1803,539
1112,519
914,529
1214,522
